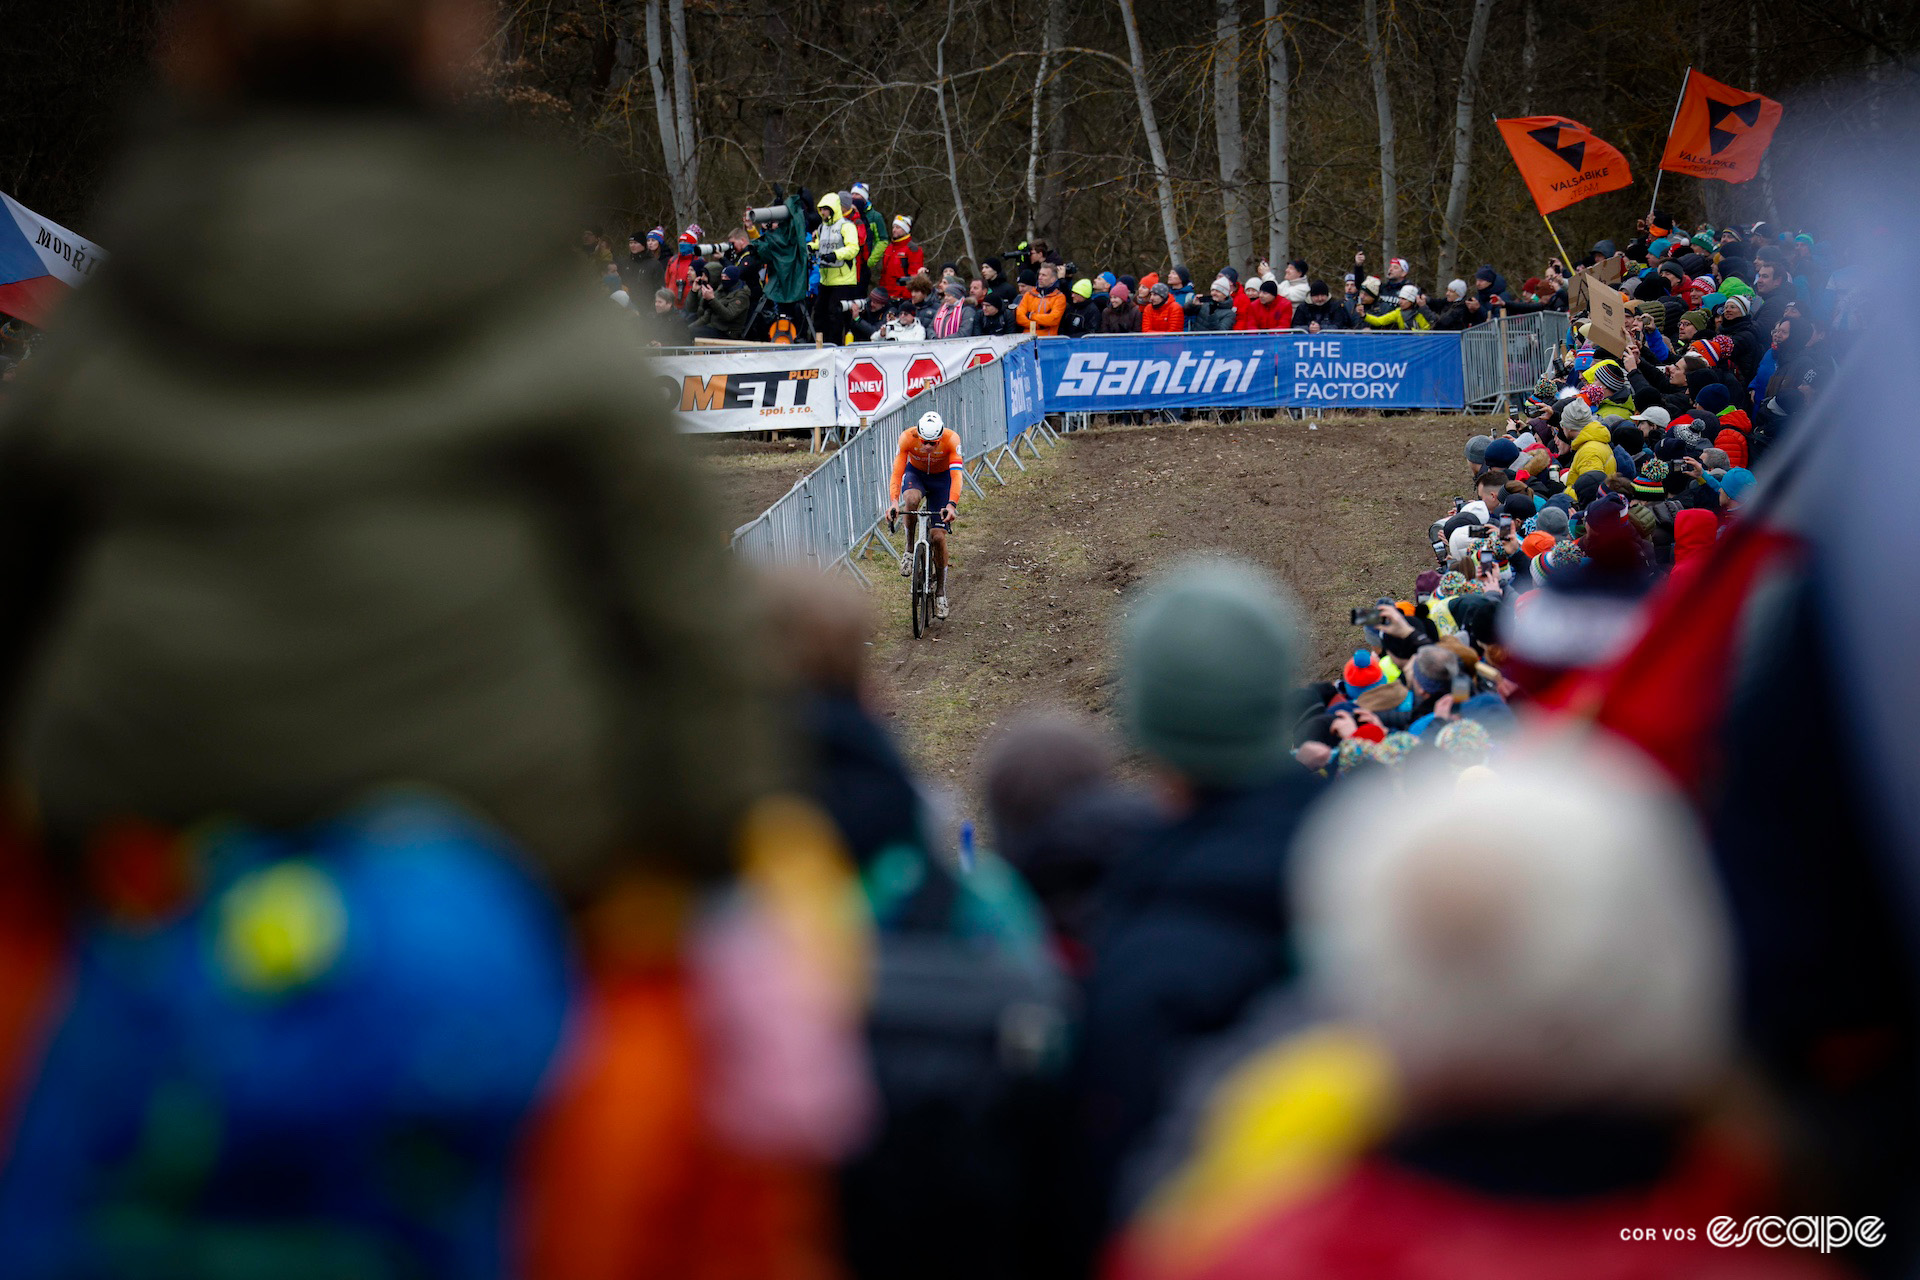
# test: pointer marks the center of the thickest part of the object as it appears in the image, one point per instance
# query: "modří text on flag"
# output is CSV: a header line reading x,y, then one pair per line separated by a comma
x,y
1562,161
1719,131
39,262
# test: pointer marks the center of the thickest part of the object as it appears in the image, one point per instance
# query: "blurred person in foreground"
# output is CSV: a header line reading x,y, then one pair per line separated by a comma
x,y
968,1023
1063,819
1192,926
286,535
1524,1043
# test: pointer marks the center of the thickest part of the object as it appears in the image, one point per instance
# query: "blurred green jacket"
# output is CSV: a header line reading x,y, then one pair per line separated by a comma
x,y
337,478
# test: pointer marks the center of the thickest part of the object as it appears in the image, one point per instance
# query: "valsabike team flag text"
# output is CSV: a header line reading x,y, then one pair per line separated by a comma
x,y
1719,131
1562,161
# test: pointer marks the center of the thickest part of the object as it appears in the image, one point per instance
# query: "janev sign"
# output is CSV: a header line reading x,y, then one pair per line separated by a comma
x,y
1113,372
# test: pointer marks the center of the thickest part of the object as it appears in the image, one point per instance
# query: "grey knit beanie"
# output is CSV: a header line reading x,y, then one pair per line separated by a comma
x,y
1552,520
1477,449
1206,664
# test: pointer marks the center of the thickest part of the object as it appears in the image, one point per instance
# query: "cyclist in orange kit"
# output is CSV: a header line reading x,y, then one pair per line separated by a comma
x,y
926,466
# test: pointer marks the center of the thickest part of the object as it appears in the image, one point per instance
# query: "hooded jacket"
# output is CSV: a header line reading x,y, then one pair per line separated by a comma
x,y
838,243
1592,451
308,525
1732,438
900,258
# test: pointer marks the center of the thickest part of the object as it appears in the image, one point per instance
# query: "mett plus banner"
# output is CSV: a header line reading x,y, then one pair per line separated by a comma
x,y
784,387
775,388
1351,370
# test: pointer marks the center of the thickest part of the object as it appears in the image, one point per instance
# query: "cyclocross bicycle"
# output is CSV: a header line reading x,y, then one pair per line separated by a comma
x,y
920,578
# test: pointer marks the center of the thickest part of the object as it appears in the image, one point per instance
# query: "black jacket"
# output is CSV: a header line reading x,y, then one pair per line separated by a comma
x,y
856,774
1331,314
1190,930
1749,345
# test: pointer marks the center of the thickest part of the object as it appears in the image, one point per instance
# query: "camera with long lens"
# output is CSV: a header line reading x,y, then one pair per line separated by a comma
x,y
771,215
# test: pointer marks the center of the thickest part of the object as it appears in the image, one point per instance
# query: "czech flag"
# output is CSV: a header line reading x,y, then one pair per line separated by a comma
x,y
39,262
1719,131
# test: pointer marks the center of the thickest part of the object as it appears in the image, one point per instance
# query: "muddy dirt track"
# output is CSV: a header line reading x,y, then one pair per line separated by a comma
x,y
751,474
1043,566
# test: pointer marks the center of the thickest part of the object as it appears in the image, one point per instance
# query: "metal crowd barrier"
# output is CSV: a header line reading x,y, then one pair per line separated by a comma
x,y
1506,357
835,509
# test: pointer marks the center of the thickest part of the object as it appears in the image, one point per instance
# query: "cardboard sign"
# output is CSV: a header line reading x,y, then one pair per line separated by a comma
x,y
1609,329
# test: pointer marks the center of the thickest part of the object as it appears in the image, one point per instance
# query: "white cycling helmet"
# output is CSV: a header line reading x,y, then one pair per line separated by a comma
x,y
931,425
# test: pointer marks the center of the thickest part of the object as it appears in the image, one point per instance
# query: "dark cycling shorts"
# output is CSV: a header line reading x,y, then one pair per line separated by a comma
x,y
937,489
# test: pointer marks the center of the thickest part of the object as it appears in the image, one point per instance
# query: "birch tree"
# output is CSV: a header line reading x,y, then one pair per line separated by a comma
x,y
1033,128
1463,125
1383,108
1156,151
673,109
1228,133
1279,187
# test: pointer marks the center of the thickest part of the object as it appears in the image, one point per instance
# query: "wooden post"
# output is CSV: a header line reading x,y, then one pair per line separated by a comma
x,y
815,447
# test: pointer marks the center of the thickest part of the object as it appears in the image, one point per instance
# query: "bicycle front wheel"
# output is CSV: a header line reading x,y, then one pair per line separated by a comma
x,y
920,601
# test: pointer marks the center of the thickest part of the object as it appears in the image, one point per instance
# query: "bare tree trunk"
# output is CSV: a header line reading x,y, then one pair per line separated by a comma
x,y
1048,221
665,114
774,139
1463,122
683,107
1753,46
1383,108
1228,134
1033,129
1156,152
626,23
1529,56
1279,184
946,129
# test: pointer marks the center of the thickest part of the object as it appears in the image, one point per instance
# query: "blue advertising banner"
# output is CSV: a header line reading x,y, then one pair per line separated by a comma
x,y
1349,370
1023,388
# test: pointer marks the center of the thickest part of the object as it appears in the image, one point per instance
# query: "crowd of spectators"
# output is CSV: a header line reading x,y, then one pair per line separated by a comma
x,y
871,282
1370,981
429,853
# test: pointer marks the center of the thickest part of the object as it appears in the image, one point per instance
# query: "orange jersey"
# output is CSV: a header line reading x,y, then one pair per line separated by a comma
x,y
928,459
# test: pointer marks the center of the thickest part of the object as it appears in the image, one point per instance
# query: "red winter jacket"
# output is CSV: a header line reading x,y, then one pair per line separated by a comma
x,y
902,258
1382,1222
1277,314
1733,436
1168,317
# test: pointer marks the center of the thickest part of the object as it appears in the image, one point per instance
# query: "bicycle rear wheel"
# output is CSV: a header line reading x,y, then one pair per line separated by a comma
x,y
920,601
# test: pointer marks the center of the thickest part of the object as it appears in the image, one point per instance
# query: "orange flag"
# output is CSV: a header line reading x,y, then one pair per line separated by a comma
x,y
1719,131
1562,161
